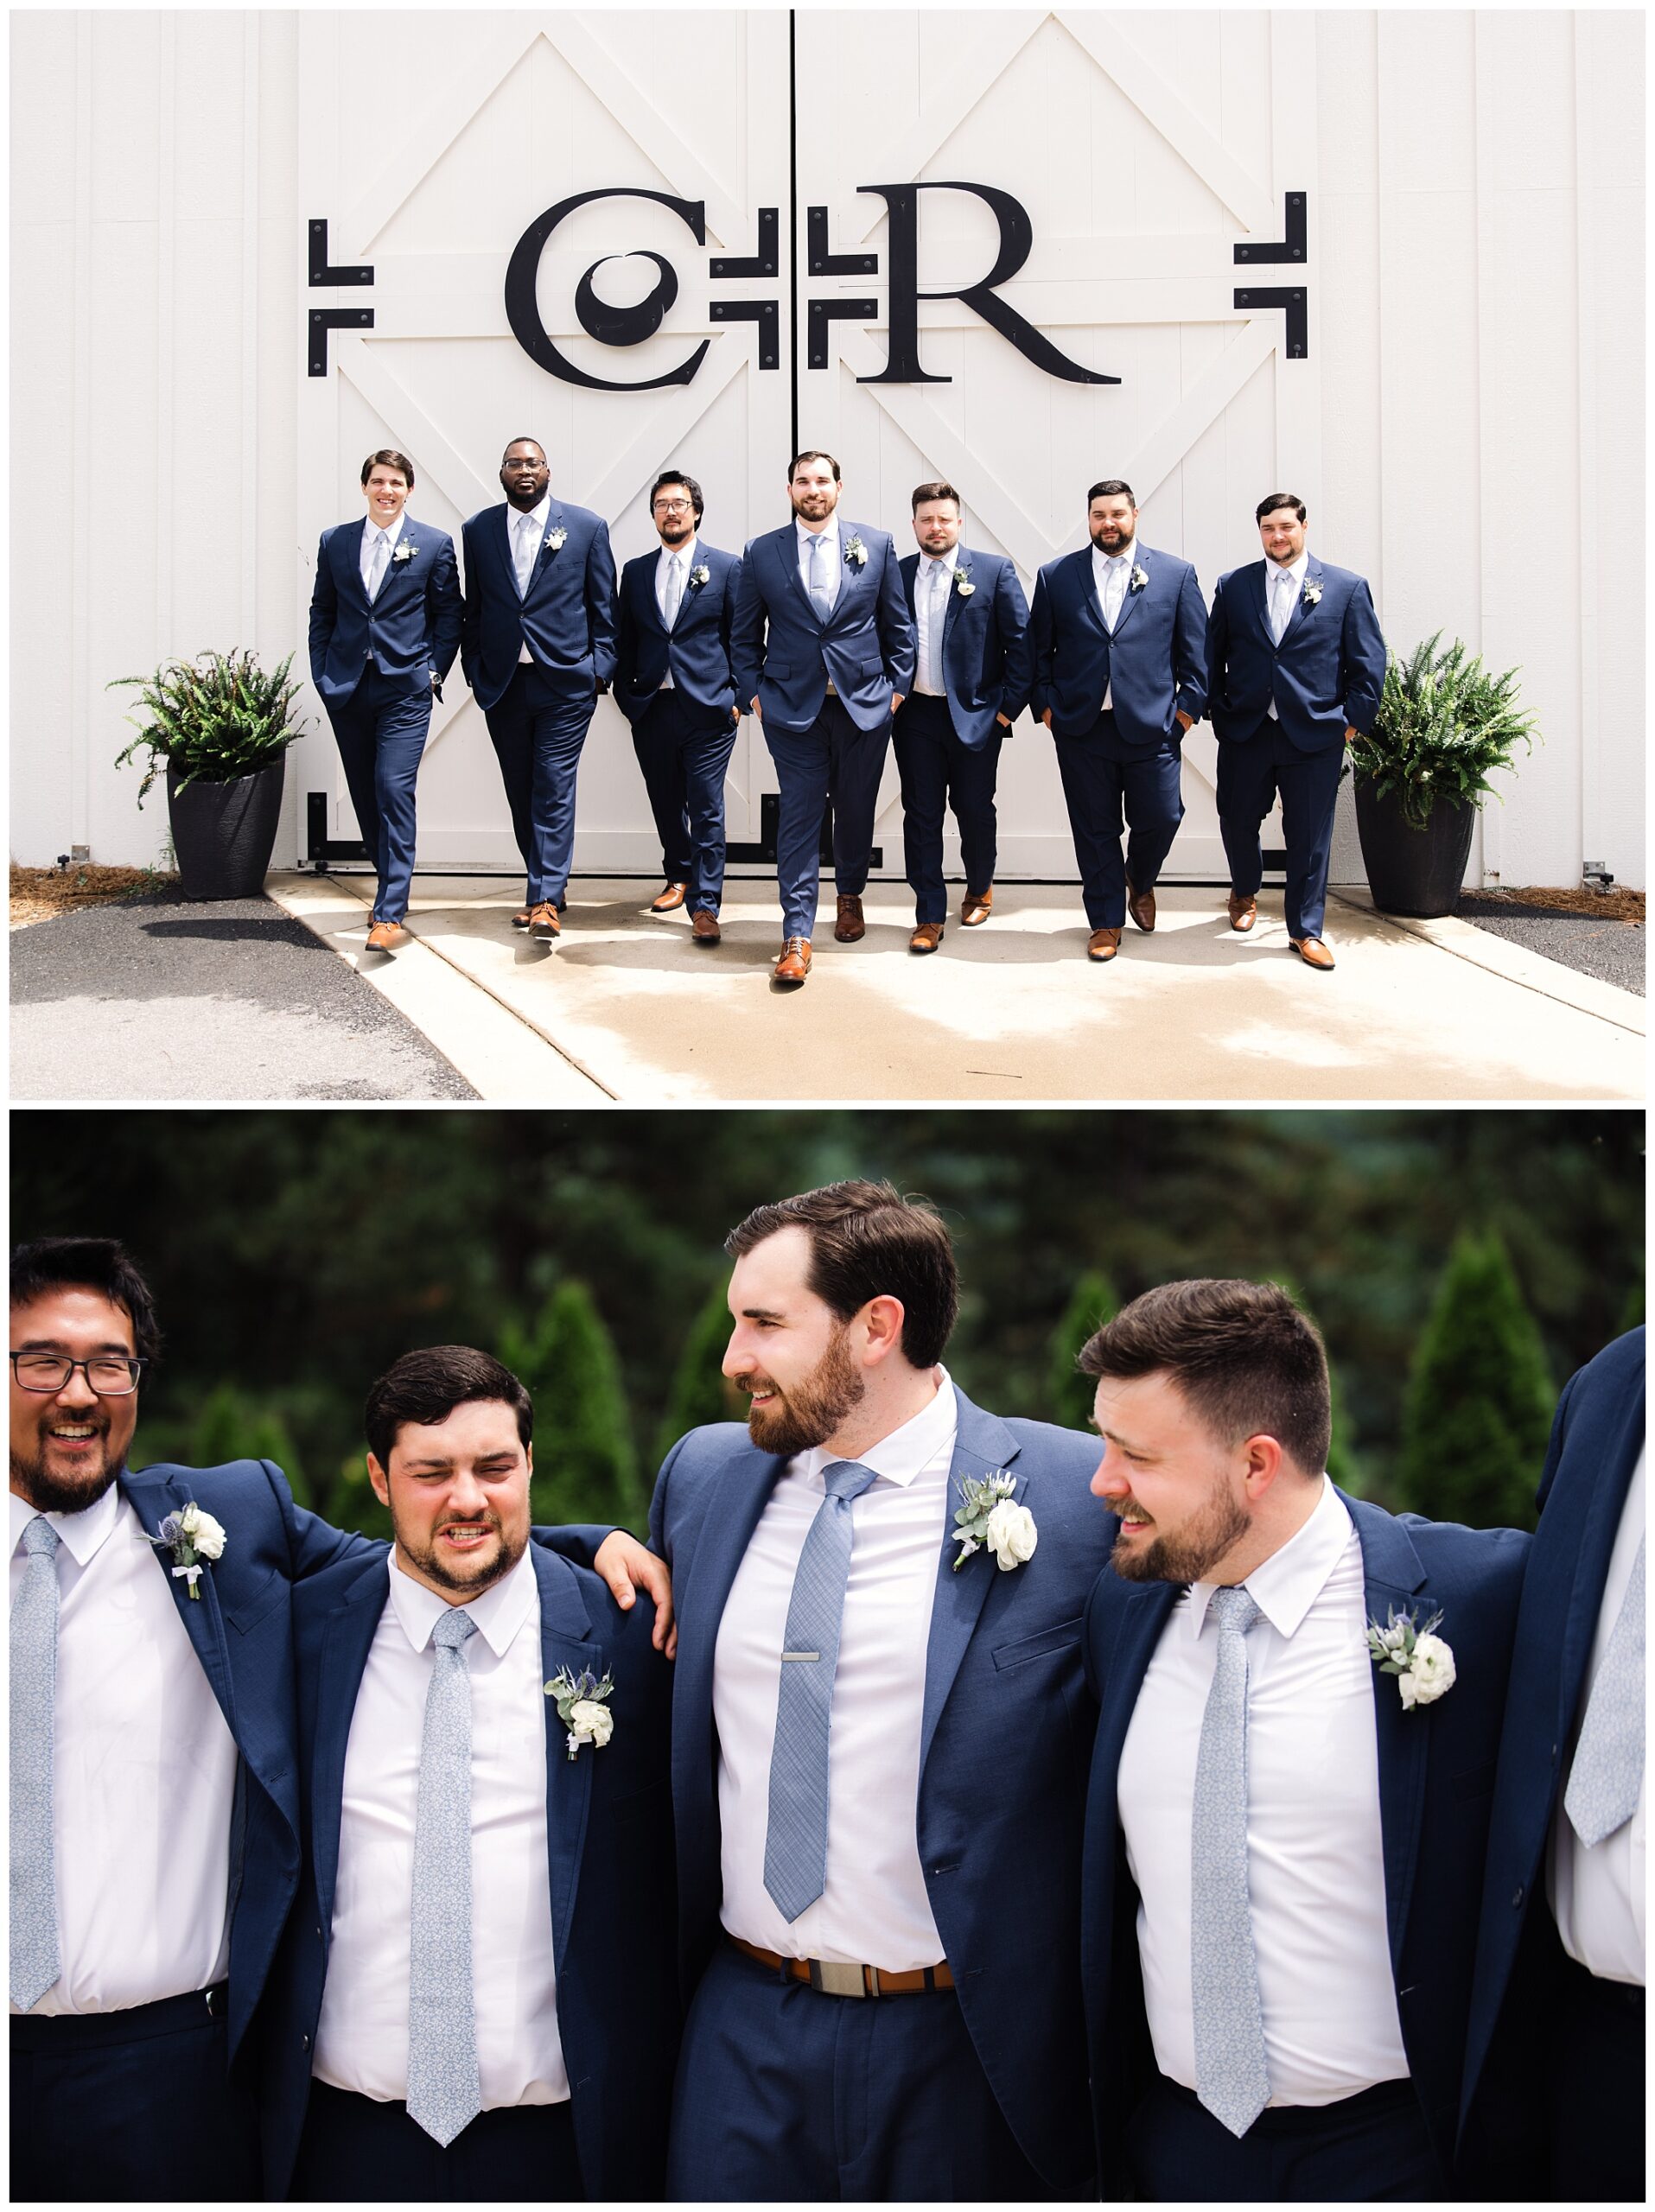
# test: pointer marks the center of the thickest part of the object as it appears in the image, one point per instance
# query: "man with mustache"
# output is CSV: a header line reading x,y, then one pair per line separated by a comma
x,y
154,1799
880,1734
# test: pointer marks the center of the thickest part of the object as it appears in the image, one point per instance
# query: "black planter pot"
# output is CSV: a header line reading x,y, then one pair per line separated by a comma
x,y
224,834
1414,872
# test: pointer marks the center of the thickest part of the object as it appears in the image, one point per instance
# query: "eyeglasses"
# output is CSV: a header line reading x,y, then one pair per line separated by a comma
x,y
672,506
107,1373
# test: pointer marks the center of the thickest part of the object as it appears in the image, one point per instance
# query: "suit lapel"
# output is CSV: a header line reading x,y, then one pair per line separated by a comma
x,y
1393,1577
1141,559
785,543
543,561
1088,582
1601,1521
851,573
704,1581
500,519
982,1445
1143,1613
1301,609
346,1644
153,1499
565,1641
1260,575
952,603
642,586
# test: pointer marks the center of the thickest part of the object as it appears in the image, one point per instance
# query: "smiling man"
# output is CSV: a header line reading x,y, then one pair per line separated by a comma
x,y
880,1736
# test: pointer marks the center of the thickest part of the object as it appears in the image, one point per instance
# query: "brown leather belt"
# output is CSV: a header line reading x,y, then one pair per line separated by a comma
x,y
835,1980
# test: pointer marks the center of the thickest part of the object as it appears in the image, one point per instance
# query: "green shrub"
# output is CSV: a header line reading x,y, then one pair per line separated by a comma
x,y
699,1393
585,1462
214,719
1444,724
1069,1395
231,1426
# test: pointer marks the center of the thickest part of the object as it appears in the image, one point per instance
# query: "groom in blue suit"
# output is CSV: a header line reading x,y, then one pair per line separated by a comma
x,y
1295,668
823,650
1120,674
879,1741
1285,1828
1555,2071
385,626
971,679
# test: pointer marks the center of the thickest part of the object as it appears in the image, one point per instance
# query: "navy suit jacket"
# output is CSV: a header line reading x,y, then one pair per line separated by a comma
x,y
986,663
1005,1731
1436,1773
608,1865
694,653
1154,666
1325,676
412,630
1595,1440
566,617
785,655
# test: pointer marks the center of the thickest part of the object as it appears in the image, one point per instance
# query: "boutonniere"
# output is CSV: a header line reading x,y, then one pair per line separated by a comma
x,y
963,583
700,575
855,553
554,540
1422,1662
404,552
988,1520
1312,590
1139,579
191,1536
583,1708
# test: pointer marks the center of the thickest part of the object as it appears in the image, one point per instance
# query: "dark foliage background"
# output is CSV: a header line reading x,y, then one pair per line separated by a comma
x,y
295,1254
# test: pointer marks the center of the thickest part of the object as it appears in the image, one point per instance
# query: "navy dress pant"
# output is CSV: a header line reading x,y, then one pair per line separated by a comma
x,y
938,772
785,2092
1250,776
135,2106
355,2150
380,731
832,760
1102,778
538,727
683,751
1370,2148
1597,2083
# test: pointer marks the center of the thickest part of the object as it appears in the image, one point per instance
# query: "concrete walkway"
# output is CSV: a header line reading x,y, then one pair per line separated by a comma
x,y
625,1008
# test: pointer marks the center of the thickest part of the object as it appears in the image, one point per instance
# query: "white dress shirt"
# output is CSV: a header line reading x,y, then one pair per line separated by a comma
x,y
143,1773
1597,1895
1272,569
874,1908
923,589
1315,1861
833,560
1111,578
685,556
371,535
362,2034
514,524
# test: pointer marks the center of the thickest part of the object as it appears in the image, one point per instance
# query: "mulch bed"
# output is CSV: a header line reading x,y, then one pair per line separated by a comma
x,y
39,893
1613,906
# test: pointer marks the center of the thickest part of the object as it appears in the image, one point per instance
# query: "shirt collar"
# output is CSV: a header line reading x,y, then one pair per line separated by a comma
x,y
830,530
686,552
1100,559
392,530
83,1534
499,1612
906,1452
1294,569
537,514
1290,1580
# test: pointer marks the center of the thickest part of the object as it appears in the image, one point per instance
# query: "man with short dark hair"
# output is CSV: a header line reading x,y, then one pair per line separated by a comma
x,y
475,1998
823,650
971,679
673,684
385,626
878,1738
1120,674
1300,1695
1295,668
538,648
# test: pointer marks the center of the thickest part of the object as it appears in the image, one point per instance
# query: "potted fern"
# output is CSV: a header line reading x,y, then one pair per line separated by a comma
x,y
1445,724
220,726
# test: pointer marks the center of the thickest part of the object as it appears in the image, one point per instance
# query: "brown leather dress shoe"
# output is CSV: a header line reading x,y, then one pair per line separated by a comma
x,y
1243,910
386,937
795,962
1312,952
927,936
849,925
542,920
665,902
976,906
1140,904
704,926
1102,944
523,917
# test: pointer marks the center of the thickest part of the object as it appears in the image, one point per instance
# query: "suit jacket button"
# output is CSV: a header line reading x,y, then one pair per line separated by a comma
x,y
1517,1898
304,2043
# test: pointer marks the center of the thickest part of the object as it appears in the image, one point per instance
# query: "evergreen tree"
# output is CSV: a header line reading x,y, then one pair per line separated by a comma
x,y
1344,1465
699,1392
585,1462
1068,1393
1479,1400
231,1426
352,1505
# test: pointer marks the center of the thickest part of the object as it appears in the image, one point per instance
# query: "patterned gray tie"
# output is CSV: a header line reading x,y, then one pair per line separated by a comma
x,y
1609,1767
674,589
1115,590
377,565
821,593
528,537
795,1841
936,616
444,2087
1231,2079
35,1963
1282,592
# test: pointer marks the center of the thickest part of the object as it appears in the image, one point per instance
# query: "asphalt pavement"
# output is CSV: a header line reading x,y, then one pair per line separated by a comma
x,y
1611,950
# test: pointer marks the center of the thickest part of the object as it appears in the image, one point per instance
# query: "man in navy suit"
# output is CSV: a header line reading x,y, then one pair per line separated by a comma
x,y
385,626
1295,668
1120,674
537,644
823,650
1554,2078
1286,1826
155,1804
673,684
475,1998
879,1925
971,679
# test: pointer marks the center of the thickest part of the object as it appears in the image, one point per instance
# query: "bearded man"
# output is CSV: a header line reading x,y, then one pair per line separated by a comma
x,y
880,1738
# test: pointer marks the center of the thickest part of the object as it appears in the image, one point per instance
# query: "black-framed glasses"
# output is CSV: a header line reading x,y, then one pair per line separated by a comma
x,y
672,506
111,1375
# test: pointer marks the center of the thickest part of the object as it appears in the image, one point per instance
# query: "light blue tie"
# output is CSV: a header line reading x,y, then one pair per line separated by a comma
x,y
1231,2079
822,593
795,1840
936,617
1283,592
444,2087
1608,1766
35,1964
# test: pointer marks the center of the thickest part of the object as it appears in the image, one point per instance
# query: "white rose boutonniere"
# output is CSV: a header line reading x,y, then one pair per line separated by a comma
x,y
555,539
1312,592
989,1520
191,1536
1418,1657
582,1706
963,583
1139,579
700,575
404,551
855,553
